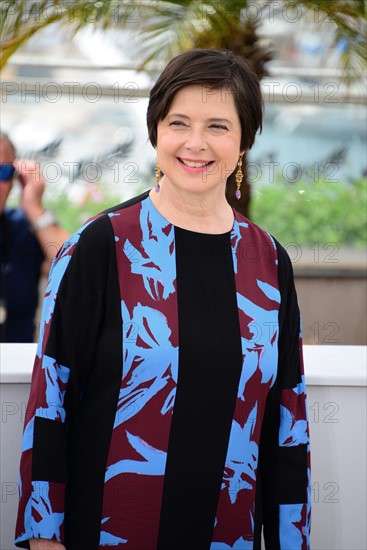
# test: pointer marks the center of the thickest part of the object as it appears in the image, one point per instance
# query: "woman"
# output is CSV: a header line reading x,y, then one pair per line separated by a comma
x,y
168,406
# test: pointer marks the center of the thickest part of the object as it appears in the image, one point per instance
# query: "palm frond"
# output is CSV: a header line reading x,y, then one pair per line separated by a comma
x,y
347,18
169,28
21,19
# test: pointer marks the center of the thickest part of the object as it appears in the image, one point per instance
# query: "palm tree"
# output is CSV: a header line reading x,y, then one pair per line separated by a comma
x,y
182,25
170,27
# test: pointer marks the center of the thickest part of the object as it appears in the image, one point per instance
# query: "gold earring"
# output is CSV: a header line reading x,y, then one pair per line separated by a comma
x,y
157,172
239,177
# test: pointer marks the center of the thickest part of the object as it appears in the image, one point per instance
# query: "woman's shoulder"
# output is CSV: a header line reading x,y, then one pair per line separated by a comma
x,y
255,231
126,204
98,229
260,236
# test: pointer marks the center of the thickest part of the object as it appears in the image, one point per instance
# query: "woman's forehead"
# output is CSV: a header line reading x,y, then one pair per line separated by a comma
x,y
200,97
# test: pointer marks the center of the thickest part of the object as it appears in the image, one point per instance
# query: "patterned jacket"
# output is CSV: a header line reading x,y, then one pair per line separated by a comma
x,y
168,402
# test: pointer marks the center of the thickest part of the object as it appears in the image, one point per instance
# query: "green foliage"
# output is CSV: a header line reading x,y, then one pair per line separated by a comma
x,y
72,216
329,212
318,212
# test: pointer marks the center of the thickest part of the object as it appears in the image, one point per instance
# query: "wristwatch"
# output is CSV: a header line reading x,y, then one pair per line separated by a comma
x,y
47,219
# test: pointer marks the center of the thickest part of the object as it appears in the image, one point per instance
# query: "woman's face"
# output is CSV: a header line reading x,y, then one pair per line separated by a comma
x,y
198,142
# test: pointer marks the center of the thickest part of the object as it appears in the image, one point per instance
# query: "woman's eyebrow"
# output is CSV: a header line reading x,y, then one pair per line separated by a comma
x,y
219,119
178,114
212,119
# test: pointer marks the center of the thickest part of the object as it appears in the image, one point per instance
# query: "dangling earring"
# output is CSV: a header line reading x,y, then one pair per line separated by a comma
x,y
239,177
157,172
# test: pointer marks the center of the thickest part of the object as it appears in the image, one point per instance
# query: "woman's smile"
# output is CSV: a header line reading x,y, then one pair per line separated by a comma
x,y
195,166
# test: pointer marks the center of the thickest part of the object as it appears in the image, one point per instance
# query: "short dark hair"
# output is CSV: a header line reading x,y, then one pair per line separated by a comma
x,y
216,69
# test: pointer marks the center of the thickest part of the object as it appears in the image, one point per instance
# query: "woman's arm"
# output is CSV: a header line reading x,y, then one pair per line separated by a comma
x,y
285,455
73,310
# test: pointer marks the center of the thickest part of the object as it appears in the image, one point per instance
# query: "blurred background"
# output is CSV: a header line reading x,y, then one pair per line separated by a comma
x,y
74,92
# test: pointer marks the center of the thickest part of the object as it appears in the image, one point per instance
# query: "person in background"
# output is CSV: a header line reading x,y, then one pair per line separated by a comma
x,y
29,240
168,403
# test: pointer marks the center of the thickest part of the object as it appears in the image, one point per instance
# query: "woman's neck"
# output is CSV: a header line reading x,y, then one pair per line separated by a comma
x,y
208,213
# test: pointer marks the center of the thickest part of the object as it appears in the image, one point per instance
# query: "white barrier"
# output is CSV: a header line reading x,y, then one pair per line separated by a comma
x,y
336,378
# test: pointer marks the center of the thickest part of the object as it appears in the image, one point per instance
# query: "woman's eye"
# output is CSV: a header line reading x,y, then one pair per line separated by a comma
x,y
177,123
218,126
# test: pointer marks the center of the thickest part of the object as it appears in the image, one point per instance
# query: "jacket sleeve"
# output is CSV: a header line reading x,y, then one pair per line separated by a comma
x,y
284,453
72,313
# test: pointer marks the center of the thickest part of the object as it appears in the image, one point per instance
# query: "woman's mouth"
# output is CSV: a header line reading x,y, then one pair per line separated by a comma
x,y
197,165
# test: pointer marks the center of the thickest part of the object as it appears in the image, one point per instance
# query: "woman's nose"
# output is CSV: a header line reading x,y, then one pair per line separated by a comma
x,y
196,140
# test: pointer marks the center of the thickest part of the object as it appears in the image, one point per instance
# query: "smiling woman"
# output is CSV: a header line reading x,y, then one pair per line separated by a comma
x,y
168,401
198,147
210,111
